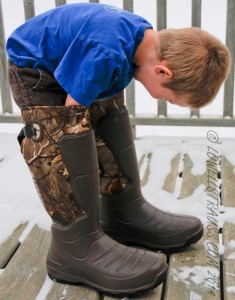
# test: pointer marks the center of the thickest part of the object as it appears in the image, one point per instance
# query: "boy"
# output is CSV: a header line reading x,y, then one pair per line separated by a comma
x,y
67,70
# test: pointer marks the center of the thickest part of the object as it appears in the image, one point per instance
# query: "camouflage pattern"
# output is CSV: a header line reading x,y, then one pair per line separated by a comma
x,y
112,181
43,157
100,109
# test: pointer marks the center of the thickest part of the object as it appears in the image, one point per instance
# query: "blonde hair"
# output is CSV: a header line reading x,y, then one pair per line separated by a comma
x,y
199,62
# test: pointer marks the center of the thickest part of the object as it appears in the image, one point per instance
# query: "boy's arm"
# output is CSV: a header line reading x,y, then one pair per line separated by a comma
x,y
70,101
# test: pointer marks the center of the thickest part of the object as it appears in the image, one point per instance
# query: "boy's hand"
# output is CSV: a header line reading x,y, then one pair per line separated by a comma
x,y
70,101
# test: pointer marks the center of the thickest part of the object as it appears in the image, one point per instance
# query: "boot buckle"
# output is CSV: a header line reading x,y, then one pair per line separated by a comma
x,y
34,129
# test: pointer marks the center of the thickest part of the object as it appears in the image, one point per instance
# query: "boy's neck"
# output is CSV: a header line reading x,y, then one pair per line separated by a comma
x,y
146,53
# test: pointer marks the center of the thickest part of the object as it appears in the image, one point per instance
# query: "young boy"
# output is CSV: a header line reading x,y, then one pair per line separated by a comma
x,y
67,70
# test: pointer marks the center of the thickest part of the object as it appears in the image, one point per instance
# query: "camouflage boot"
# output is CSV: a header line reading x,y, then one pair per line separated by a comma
x,y
44,128
125,215
59,148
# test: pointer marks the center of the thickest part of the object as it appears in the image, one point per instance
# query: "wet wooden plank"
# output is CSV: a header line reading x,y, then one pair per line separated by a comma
x,y
26,272
8,248
170,181
228,200
72,292
189,181
228,182
144,165
229,261
193,273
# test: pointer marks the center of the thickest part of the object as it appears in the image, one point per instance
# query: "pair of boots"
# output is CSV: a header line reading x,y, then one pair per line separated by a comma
x,y
59,147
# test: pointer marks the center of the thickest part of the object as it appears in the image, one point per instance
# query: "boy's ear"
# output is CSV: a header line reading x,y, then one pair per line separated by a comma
x,y
162,70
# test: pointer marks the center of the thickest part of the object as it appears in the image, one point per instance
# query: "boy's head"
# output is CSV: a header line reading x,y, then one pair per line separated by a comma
x,y
198,61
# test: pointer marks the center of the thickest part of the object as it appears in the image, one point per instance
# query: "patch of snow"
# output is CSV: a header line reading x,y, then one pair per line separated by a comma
x,y
231,244
231,289
194,296
196,274
232,256
221,249
45,289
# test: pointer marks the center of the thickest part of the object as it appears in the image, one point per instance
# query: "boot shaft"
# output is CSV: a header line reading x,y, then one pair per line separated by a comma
x,y
117,156
112,181
43,156
80,157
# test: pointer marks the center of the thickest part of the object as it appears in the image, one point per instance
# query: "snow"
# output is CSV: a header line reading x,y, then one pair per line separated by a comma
x,y
221,249
19,201
232,256
46,287
196,274
194,296
231,244
231,289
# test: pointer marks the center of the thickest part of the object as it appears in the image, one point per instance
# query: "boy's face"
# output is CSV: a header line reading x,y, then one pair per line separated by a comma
x,y
158,91
162,93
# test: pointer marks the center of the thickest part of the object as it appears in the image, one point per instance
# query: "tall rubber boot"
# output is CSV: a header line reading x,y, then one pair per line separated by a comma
x,y
60,151
125,215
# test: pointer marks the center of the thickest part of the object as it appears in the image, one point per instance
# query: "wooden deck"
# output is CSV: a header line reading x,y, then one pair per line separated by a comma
x,y
200,272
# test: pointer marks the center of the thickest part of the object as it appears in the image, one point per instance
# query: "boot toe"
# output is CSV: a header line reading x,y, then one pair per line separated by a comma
x,y
126,270
143,224
173,231
109,267
185,231
194,232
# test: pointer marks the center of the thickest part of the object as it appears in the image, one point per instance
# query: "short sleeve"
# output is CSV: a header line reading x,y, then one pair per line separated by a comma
x,y
85,71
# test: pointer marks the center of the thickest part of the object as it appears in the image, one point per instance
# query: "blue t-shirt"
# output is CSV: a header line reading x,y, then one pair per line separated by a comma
x,y
88,48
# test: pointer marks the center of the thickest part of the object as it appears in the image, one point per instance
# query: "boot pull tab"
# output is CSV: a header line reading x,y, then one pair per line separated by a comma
x,y
26,131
